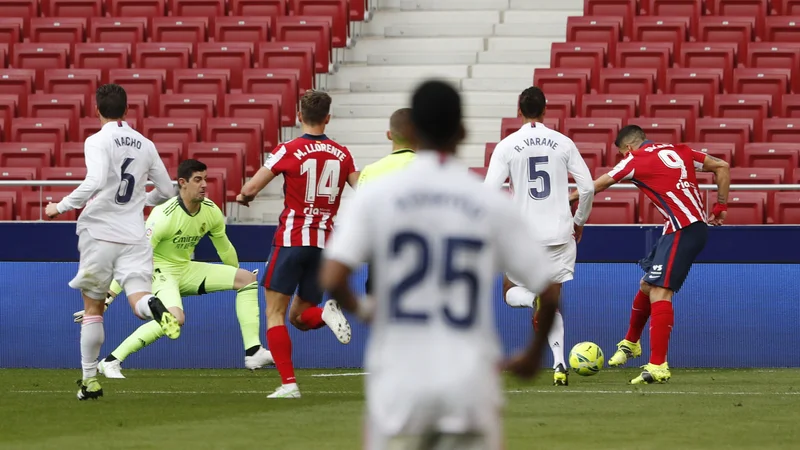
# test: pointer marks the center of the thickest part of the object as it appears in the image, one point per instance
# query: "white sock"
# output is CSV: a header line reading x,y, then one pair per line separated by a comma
x,y
92,337
519,297
556,339
143,309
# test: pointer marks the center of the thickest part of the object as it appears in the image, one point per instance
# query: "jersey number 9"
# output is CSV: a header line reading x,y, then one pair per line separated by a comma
x,y
126,184
445,276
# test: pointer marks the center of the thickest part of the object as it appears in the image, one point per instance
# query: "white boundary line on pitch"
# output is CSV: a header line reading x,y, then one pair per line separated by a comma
x,y
513,391
348,374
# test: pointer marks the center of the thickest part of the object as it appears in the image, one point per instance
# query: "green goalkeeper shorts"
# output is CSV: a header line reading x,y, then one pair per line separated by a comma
x,y
195,278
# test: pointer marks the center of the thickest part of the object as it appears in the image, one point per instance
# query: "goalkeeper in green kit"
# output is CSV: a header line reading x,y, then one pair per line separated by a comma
x,y
174,229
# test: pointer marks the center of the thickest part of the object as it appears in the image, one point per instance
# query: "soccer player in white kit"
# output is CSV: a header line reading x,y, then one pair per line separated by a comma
x,y
112,241
538,159
435,238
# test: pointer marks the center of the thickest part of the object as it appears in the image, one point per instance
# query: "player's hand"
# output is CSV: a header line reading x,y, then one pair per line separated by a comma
x,y
523,365
51,210
577,233
244,200
718,215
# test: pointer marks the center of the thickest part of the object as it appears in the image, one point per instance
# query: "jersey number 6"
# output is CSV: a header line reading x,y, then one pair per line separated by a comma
x,y
445,276
126,184
534,175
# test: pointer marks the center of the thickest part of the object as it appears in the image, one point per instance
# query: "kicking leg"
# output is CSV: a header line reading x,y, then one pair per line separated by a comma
x,y
640,312
305,314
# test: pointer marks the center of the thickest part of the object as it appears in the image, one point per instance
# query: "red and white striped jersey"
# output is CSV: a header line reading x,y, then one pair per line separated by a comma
x,y
666,175
315,170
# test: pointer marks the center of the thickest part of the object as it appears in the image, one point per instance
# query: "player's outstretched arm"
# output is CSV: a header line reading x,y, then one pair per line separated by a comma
x,y
722,174
583,178
353,178
96,173
250,189
601,184
164,188
497,173
225,250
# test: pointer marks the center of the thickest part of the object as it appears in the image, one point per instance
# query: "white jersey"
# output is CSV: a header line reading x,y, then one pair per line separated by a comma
x,y
436,239
538,161
119,161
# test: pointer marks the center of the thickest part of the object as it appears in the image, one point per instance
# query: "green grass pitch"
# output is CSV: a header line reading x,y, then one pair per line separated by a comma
x,y
227,409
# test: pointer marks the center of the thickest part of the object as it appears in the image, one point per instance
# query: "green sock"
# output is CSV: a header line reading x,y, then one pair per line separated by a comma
x,y
139,339
248,315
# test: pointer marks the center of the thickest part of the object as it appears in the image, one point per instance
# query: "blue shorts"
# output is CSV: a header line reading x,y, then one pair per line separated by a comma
x,y
669,262
293,270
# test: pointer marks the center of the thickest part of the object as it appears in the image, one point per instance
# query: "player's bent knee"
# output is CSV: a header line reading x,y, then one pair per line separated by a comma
x,y
658,294
243,279
644,286
297,323
179,315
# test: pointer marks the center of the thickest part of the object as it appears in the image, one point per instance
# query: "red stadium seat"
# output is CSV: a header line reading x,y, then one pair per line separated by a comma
x,y
661,29
150,82
773,55
275,81
200,81
179,29
563,81
668,130
487,153
744,106
187,105
171,153
248,131
595,29
137,107
692,9
510,125
20,8
234,56
102,56
179,129
780,130
56,106
745,8
18,174
745,207
789,107
197,8
60,174
70,154
257,106
727,29
26,154
72,8
7,206
228,156
117,29
593,153
241,29
553,123
774,82
785,7
136,8
560,106
19,82
622,106
32,205
39,57
39,130
579,55
602,130
772,155
710,55
706,82
615,207
88,126
336,10
8,111
289,55
627,81
756,175
627,9
61,29
216,188
11,29
782,28
645,55
73,81
260,8
163,55
722,150
785,208
685,106
737,131
307,29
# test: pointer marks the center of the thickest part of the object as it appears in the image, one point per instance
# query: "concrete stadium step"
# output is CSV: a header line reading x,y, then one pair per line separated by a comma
x,y
449,5
352,72
556,31
346,98
502,71
384,19
560,5
371,111
421,59
517,43
541,17
379,125
380,45
454,29
540,58
515,85
350,137
395,85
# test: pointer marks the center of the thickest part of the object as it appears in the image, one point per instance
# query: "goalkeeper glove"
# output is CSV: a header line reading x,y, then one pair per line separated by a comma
x,y
77,317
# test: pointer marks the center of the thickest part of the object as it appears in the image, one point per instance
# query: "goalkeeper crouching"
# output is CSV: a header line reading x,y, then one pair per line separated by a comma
x,y
174,229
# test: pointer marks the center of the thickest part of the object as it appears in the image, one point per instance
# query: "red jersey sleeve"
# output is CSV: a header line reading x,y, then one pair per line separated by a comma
x,y
278,161
624,170
350,163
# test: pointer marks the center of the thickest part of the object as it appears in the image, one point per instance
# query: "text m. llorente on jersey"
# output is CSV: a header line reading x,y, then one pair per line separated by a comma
x,y
319,147
531,142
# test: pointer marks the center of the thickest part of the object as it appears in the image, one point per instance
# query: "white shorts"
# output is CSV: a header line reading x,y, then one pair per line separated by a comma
x,y
420,418
563,257
102,261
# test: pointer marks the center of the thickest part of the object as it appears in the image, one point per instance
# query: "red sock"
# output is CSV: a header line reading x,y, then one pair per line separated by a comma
x,y
312,318
281,347
640,312
660,327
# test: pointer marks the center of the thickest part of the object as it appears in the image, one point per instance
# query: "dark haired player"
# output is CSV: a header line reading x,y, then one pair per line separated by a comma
x,y
112,241
436,237
315,170
666,175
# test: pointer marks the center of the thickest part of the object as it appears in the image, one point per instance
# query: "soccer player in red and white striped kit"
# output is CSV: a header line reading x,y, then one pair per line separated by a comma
x,y
315,170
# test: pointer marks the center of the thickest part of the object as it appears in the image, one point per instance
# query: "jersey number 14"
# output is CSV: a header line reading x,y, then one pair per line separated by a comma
x,y
328,181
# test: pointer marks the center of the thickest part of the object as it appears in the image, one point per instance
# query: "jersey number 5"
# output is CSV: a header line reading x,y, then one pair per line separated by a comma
x,y
534,175
328,181
445,276
126,184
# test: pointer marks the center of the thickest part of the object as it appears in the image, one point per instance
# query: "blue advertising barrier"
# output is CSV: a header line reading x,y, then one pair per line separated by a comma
x,y
732,310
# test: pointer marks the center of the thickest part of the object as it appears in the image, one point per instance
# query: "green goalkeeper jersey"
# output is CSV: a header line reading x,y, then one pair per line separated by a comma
x,y
174,233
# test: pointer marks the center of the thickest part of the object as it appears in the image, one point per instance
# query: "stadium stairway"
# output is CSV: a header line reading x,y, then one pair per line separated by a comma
x,y
489,48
